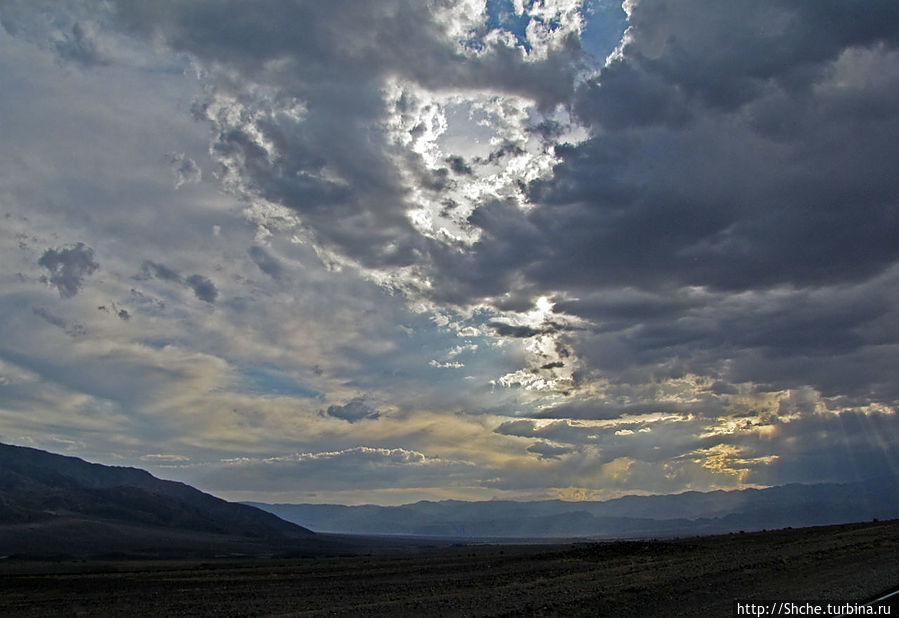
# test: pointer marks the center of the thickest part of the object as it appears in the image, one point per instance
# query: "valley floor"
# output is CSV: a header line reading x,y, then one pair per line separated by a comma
x,y
698,576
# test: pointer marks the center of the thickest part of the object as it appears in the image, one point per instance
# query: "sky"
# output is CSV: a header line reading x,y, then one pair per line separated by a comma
x,y
378,252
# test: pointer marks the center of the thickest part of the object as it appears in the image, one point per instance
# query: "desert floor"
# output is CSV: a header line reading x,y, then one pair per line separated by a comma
x,y
698,576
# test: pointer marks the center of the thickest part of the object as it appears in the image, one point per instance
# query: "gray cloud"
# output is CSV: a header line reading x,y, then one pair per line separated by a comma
x,y
266,262
185,169
712,216
734,206
548,451
830,447
603,410
74,330
339,470
68,267
160,271
203,287
353,411
458,165
317,161
81,46
728,207
510,330
775,42
522,428
49,317
784,338
652,441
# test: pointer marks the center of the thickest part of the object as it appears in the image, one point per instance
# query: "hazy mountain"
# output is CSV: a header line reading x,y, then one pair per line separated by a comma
x,y
56,504
630,516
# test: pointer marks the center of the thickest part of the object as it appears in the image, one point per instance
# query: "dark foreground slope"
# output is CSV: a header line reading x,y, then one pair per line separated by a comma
x,y
52,505
699,576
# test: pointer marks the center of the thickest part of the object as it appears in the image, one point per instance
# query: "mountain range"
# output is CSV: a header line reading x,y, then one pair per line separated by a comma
x,y
54,505
58,506
690,513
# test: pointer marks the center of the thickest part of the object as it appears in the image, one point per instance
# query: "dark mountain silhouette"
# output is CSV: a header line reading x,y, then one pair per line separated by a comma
x,y
56,504
690,513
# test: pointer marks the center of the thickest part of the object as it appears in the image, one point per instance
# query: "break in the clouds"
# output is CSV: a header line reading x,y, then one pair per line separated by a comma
x,y
467,248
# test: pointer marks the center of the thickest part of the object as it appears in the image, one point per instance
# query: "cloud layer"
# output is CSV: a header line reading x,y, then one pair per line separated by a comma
x,y
453,248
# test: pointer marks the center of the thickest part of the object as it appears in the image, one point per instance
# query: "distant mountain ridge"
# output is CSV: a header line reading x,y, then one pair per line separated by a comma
x,y
689,513
48,499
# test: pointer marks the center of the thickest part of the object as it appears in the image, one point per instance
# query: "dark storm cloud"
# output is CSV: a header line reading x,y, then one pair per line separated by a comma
x,y
680,60
726,206
723,54
614,308
736,209
837,339
809,323
714,202
68,267
726,209
353,411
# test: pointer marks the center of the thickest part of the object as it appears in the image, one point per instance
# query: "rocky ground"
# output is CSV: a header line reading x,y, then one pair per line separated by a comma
x,y
698,576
